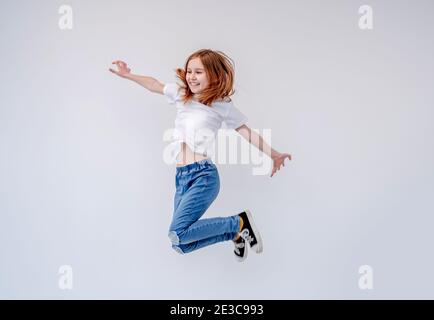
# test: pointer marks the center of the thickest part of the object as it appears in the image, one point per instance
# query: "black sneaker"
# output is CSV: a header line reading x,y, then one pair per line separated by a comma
x,y
250,233
240,249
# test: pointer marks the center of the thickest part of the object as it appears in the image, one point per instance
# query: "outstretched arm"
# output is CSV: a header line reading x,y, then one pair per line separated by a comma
x,y
257,140
149,83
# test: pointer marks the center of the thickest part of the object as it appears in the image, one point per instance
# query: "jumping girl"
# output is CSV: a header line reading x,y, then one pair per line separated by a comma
x,y
203,105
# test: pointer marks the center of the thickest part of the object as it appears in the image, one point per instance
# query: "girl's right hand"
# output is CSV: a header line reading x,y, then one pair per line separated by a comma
x,y
123,69
279,160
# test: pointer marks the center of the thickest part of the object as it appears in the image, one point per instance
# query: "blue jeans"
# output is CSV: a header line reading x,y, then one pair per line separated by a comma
x,y
197,186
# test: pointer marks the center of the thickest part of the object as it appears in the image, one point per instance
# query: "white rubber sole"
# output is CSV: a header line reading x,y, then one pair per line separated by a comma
x,y
241,259
258,247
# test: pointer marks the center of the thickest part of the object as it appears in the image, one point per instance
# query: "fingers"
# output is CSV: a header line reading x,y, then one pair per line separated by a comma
x,y
278,163
113,71
116,63
120,64
273,172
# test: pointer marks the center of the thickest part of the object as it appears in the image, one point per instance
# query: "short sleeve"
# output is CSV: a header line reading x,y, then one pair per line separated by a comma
x,y
234,118
171,91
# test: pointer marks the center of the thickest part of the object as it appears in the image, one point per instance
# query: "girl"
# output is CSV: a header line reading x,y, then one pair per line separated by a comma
x,y
203,105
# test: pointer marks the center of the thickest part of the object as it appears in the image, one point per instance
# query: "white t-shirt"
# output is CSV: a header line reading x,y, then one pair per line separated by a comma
x,y
197,124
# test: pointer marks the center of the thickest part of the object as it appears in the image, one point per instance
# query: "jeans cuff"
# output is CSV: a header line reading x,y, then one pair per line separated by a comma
x,y
173,237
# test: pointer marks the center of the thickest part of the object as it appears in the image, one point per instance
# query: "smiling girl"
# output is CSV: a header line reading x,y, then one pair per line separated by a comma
x,y
203,105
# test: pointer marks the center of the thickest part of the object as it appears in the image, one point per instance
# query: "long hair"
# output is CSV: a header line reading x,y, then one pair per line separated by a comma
x,y
219,69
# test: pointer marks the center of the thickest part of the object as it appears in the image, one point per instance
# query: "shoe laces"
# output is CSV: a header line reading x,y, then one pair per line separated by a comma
x,y
246,236
238,246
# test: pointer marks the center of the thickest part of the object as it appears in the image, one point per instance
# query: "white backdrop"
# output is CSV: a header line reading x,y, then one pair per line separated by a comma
x,y
83,182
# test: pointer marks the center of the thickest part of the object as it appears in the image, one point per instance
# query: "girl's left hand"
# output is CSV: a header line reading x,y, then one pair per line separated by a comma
x,y
123,69
279,160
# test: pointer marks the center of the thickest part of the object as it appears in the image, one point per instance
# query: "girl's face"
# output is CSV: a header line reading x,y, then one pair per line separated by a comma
x,y
196,76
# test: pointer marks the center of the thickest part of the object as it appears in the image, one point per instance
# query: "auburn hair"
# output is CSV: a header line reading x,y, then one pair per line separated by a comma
x,y
219,69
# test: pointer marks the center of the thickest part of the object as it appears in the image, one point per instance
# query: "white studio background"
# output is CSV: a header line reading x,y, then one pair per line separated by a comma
x,y
83,182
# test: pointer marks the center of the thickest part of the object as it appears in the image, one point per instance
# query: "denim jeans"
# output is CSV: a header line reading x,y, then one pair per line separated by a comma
x,y
197,186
